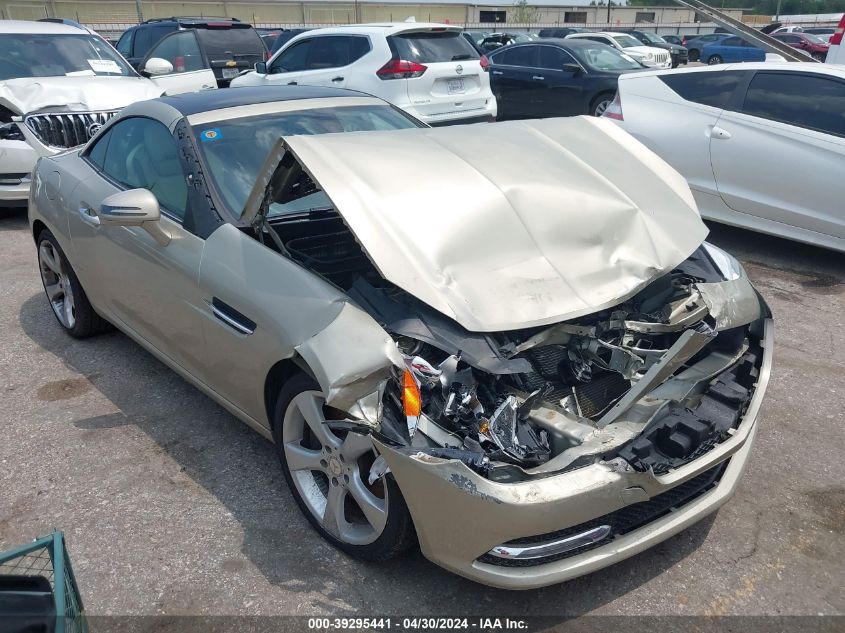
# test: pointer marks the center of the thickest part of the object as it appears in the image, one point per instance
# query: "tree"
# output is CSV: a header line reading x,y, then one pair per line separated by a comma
x,y
523,14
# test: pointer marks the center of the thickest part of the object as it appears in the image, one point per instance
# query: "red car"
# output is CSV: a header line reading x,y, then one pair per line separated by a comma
x,y
813,44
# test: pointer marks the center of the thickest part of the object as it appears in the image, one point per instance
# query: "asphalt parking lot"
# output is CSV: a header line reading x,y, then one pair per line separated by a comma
x,y
172,506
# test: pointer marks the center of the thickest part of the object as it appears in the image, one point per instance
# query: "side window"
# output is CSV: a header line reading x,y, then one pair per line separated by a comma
x,y
147,36
602,40
293,58
124,44
708,88
97,154
809,101
731,41
554,58
142,154
181,50
336,51
519,56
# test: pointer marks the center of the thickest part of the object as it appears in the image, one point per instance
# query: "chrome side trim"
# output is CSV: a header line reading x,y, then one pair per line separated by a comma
x,y
231,322
551,548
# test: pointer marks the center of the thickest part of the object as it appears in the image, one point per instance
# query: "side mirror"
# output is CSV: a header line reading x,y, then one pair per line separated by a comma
x,y
157,66
575,69
261,68
135,207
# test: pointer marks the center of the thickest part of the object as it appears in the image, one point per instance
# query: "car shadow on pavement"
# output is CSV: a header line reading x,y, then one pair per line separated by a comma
x,y
239,468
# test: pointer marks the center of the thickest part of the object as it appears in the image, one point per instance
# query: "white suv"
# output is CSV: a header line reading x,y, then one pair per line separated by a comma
x,y
58,85
650,56
429,70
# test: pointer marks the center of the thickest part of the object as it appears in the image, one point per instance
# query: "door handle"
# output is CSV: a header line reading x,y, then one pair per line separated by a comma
x,y
231,317
291,83
88,215
538,78
206,87
336,79
717,132
497,72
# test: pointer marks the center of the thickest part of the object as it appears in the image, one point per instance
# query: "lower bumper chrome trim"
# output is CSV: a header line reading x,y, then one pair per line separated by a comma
x,y
542,550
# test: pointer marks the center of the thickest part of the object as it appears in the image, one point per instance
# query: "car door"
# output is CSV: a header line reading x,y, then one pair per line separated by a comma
x,y
511,79
189,70
779,153
152,290
559,90
329,59
287,66
678,126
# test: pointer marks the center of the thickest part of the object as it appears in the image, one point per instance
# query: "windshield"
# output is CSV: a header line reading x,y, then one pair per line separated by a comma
x,y
815,39
34,55
626,41
602,57
654,39
234,150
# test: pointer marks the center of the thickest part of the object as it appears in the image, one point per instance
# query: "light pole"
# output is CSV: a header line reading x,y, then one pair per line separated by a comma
x,y
140,12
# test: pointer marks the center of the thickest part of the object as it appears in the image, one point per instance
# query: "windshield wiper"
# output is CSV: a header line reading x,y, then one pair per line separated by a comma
x,y
461,57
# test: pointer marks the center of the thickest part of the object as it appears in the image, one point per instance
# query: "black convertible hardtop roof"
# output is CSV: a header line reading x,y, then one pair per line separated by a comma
x,y
195,102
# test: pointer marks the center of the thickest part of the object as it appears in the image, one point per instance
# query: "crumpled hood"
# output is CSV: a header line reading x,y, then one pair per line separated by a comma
x,y
74,94
509,225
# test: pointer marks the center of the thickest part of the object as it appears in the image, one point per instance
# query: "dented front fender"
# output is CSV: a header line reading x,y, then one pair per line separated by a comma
x,y
350,357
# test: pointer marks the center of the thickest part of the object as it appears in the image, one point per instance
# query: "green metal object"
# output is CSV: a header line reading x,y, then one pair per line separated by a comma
x,y
47,556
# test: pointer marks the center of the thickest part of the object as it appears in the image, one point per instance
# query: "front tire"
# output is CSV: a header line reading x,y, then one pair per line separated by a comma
x,y
327,473
693,55
64,292
714,60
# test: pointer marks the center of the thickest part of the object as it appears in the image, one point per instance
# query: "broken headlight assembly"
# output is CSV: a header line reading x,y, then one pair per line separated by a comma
x,y
651,381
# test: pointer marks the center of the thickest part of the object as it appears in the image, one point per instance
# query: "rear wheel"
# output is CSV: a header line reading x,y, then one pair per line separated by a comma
x,y
714,59
819,57
328,474
600,103
64,292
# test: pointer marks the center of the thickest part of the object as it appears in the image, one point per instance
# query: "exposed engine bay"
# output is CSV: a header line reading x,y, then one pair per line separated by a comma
x,y
520,404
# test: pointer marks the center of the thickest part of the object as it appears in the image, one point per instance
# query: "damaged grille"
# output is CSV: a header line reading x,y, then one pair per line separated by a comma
x,y
621,521
592,397
68,129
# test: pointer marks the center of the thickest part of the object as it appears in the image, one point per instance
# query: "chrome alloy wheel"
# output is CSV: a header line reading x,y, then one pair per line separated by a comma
x,y
601,106
57,284
330,471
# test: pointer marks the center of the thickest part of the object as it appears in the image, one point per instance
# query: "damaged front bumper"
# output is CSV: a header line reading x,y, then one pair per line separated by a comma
x,y
550,529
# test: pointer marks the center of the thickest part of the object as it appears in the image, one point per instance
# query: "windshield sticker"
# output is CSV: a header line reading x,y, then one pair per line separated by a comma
x,y
104,66
213,134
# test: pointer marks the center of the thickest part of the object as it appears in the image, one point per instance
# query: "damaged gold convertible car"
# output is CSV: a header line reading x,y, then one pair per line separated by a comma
x,y
534,368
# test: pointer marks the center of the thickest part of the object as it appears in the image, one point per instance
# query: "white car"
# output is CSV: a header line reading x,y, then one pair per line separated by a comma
x,y
761,144
58,85
650,56
429,70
